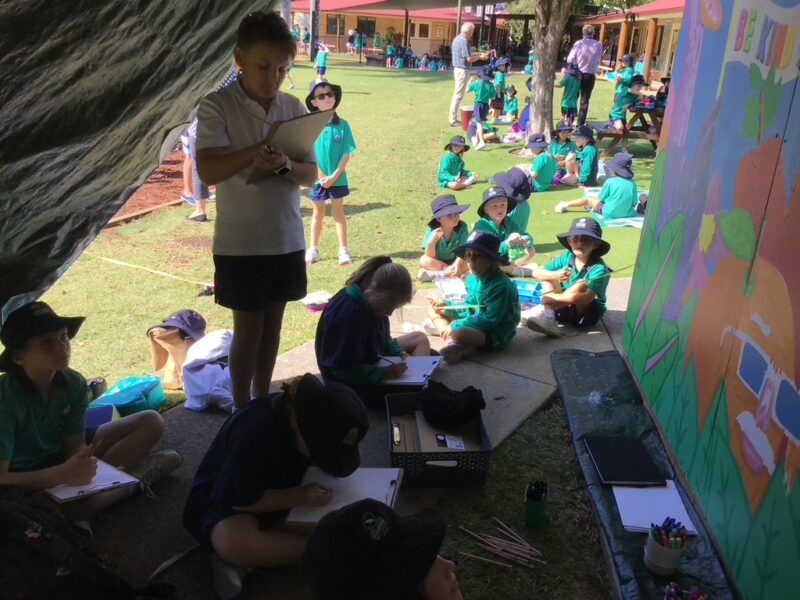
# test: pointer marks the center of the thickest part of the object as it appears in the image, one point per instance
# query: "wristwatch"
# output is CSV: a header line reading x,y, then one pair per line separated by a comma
x,y
285,169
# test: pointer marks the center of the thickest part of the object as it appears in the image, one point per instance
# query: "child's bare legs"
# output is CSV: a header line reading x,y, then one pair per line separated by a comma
x,y
317,220
268,349
479,136
468,337
580,305
239,541
591,203
187,176
432,264
457,185
337,211
415,344
573,171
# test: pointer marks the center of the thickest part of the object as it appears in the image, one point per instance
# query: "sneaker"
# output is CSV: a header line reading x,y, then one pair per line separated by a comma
x,y
154,467
227,578
455,353
480,145
541,323
425,276
312,256
188,199
455,125
201,218
344,257
561,207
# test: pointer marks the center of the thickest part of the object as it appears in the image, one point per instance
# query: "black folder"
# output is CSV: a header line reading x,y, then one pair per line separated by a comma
x,y
623,461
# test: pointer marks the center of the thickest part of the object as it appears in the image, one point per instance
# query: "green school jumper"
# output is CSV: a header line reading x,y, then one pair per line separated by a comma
x,y
451,169
545,167
572,89
620,197
587,156
596,276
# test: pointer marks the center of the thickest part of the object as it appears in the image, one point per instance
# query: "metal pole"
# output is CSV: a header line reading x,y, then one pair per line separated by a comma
x,y
405,31
458,21
314,8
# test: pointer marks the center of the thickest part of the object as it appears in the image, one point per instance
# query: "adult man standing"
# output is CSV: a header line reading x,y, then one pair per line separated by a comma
x,y
462,59
586,53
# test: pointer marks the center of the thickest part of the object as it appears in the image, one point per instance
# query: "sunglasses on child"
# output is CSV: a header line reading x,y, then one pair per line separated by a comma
x,y
324,95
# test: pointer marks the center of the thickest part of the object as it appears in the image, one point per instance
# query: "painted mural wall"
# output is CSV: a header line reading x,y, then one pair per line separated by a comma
x,y
714,314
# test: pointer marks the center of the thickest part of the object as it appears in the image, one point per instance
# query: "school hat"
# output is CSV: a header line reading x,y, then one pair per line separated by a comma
x,y
587,227
485,242
493,193
538,141
585,131
332,420
628,59
366,551
457,140
515,182
637,79
505,61
564,126
573,70
189,322
622,165
337,94
511,89
28,321
443,206
486,73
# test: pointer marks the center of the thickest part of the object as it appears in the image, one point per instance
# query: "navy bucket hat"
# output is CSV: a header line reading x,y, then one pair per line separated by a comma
x,y
457,140
443,206
484,242
585,227
337,94
493,193
516,183
622,165
538,141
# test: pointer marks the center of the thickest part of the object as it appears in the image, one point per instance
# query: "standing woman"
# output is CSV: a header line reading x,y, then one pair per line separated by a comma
x,y
259,243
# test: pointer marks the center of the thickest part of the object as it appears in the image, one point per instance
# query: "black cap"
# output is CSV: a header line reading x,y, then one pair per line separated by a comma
x,y
586,227
485,242
28,321
364,551
337,94
332,420
493,193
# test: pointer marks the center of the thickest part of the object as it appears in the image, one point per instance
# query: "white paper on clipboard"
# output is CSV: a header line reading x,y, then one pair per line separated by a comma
x,y
106,478
420,369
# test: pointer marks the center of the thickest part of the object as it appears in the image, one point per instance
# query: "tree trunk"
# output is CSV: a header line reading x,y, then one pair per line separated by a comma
x,y
551,19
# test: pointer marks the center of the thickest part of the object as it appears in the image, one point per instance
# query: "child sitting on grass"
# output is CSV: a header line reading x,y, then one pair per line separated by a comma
x,y
544,167
446,232
43,403
510,108
484,92
516,245
353,332
452,172
251,474
333,149
572,88
562,147
582,169
575,283
489,134
491,322
618,197
623,100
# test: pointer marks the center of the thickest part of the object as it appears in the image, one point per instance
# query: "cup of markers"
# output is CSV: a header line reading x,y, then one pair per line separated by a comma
x,y
665,545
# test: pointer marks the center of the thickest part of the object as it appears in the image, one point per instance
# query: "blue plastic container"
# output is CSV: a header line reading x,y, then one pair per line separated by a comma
x,y
133,395
529,292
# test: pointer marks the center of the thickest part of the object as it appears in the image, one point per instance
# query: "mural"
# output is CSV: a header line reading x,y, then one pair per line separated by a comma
x,y
714,312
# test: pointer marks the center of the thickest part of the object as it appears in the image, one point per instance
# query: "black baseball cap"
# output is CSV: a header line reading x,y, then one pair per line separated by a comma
x,y
332,420
28,321
364,551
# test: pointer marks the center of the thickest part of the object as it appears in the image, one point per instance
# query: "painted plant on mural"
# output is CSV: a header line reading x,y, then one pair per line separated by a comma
x,y
714,313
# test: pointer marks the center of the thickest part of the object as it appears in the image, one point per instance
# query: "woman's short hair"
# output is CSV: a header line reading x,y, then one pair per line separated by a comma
x,y
265,27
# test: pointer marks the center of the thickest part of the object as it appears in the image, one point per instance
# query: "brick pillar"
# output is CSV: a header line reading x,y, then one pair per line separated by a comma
x,y
650,45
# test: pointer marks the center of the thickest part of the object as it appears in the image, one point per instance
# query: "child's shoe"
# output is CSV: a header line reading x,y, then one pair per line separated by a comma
x,y
455,353
227,578
344,257
312,256
425,276
543,320
561,207
154,467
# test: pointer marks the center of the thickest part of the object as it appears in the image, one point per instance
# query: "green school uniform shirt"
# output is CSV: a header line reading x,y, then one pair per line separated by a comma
x,y
307,37
596,276
572,89
378,43
504,231
445,250
33,426
560,150
499,83
322,59
390,50
528,69
620,197
624,78
483,90
511,106
587,156
499,313
545,167
451,169
623,100
335,141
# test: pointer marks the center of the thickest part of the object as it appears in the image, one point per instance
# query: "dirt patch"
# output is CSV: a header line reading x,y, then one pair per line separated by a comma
x,y
162,188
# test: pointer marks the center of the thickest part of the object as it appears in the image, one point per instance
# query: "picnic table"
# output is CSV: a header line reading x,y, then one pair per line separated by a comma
x,y
644,123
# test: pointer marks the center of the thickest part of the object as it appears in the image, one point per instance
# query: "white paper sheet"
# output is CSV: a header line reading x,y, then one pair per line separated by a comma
x,y
106,478
420,369
452,289
641,506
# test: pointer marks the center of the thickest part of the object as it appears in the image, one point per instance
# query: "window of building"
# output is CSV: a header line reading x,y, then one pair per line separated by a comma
x,y
439,32
334,25
659,40
366,26
412,30
424,30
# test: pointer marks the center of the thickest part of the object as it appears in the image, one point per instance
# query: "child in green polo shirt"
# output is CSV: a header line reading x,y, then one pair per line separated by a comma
x,y
484,92
43,403
562,147
582,168
453,174
510,107
516,244
498,102
321,62
390,52
531,62
618,197
333,148
625,97
572,88
490,323
544,166
624,74
446,232
575,283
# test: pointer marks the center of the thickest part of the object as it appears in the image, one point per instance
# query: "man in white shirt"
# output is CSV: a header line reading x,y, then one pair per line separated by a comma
x,y
462,58
586,53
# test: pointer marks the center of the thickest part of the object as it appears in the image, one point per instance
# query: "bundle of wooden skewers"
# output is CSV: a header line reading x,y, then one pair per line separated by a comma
x,y
510,546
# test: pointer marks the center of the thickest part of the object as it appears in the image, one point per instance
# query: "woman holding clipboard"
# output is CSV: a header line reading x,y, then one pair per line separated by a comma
x,y
259,243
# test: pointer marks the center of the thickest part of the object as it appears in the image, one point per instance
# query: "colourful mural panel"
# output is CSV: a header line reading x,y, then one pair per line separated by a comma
x,y
714,313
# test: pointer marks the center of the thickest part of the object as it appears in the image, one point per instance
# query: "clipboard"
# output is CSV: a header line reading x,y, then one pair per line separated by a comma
x,y
294,137
106,478
420,369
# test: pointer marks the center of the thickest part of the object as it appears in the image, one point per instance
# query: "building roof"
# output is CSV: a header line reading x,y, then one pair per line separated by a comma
x,y
652,10
375,8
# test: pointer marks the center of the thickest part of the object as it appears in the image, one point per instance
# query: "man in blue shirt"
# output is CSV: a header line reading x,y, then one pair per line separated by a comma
x,y
462,59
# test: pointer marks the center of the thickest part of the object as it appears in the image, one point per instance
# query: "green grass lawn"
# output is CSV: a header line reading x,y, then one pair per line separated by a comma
x,y
399,119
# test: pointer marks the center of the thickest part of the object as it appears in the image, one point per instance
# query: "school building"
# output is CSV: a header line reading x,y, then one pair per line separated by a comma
x,y
650,31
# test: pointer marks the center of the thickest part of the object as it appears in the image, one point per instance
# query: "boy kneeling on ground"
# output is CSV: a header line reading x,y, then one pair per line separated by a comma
x,y
43,440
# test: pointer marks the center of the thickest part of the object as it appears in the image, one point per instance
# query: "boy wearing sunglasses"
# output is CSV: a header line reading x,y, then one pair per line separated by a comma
x,y
575,283
333,149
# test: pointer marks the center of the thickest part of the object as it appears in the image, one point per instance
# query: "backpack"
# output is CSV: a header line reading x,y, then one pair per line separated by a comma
x,y
43,556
